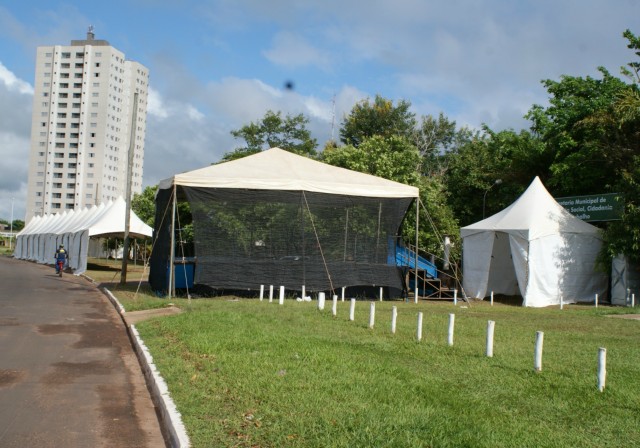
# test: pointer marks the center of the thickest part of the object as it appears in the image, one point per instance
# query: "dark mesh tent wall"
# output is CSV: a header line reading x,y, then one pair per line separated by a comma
x,y
247,238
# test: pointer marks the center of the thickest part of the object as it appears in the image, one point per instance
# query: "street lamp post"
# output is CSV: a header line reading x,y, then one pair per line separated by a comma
x,y
484,198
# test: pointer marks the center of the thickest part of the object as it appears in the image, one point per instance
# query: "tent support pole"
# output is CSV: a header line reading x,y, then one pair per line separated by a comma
x,y
346,228
172,251
415,288
378,232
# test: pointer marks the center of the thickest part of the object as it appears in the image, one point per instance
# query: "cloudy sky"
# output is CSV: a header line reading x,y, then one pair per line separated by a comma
x,y
216,65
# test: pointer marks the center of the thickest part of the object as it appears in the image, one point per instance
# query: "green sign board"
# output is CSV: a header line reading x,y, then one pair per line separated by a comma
x,y
597,207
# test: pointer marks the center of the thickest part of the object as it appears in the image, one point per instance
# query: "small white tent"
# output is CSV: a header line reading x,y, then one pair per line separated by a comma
x,y
534,248
41,237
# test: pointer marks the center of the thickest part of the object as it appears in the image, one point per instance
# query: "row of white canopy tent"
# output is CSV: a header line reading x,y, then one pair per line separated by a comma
x,y
41,237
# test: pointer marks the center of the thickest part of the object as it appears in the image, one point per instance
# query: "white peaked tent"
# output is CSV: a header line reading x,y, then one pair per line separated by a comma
x,y
41,237
533,248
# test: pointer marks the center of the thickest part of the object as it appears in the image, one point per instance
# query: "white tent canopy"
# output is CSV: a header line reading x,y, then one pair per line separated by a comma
x,y
41,237
534,248
277,169
279,174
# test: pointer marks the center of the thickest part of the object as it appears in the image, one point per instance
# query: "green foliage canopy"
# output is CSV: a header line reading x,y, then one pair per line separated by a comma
x,y
289,133
378,118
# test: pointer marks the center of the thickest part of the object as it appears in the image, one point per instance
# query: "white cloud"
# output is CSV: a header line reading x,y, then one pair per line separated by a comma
x,y
13,83
293,51
155,105
194,113
16,96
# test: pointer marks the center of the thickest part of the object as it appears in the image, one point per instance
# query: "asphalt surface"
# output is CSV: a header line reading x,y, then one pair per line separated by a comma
x,y
68,374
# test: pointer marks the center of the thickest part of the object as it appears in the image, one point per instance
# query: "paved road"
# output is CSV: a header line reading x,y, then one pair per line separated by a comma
x,y
68,374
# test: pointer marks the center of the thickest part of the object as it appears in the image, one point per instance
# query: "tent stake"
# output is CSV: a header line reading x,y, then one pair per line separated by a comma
x,y
452,320
537,357
321,299
394,318
491,325
602,368
372,314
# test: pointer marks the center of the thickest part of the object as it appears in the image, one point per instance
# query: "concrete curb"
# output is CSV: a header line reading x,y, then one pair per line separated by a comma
x,y
170,418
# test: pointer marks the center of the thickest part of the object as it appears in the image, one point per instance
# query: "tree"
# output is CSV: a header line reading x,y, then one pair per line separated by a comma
x,y
581,131
434,136
592,131
289,133
377,118
18,225
396,158
393,158
439,220
144,205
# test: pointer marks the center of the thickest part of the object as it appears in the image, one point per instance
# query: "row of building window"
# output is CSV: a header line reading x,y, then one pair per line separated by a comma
x,y
67,55
68,65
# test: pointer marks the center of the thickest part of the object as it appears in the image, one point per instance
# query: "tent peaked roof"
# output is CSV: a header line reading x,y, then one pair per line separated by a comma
x,y
533,215
277,169
111,223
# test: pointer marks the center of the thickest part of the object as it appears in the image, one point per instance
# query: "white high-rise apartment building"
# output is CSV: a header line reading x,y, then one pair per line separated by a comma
x,y
82,126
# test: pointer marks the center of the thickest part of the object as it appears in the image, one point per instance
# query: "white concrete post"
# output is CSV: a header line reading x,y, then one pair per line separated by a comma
x,y
352,310
537,357
452,322
281,295
321,298
415,292
561,302
343,288
394,318
372,314
491,298
270,293
596,301
419,327
334,306
602,368
261,292
491,325
455,296
304,292
381,296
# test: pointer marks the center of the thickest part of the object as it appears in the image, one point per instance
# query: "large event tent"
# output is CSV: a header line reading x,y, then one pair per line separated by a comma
x,y
533,248
277,218
41,237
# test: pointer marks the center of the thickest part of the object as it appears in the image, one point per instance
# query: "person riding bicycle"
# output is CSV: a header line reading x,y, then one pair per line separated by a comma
x,y
61,258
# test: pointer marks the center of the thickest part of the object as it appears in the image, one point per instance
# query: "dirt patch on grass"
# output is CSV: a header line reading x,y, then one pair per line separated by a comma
x,y
626,316
133,317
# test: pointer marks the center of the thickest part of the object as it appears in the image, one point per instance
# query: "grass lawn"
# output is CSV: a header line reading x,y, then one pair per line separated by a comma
x,y
249,373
